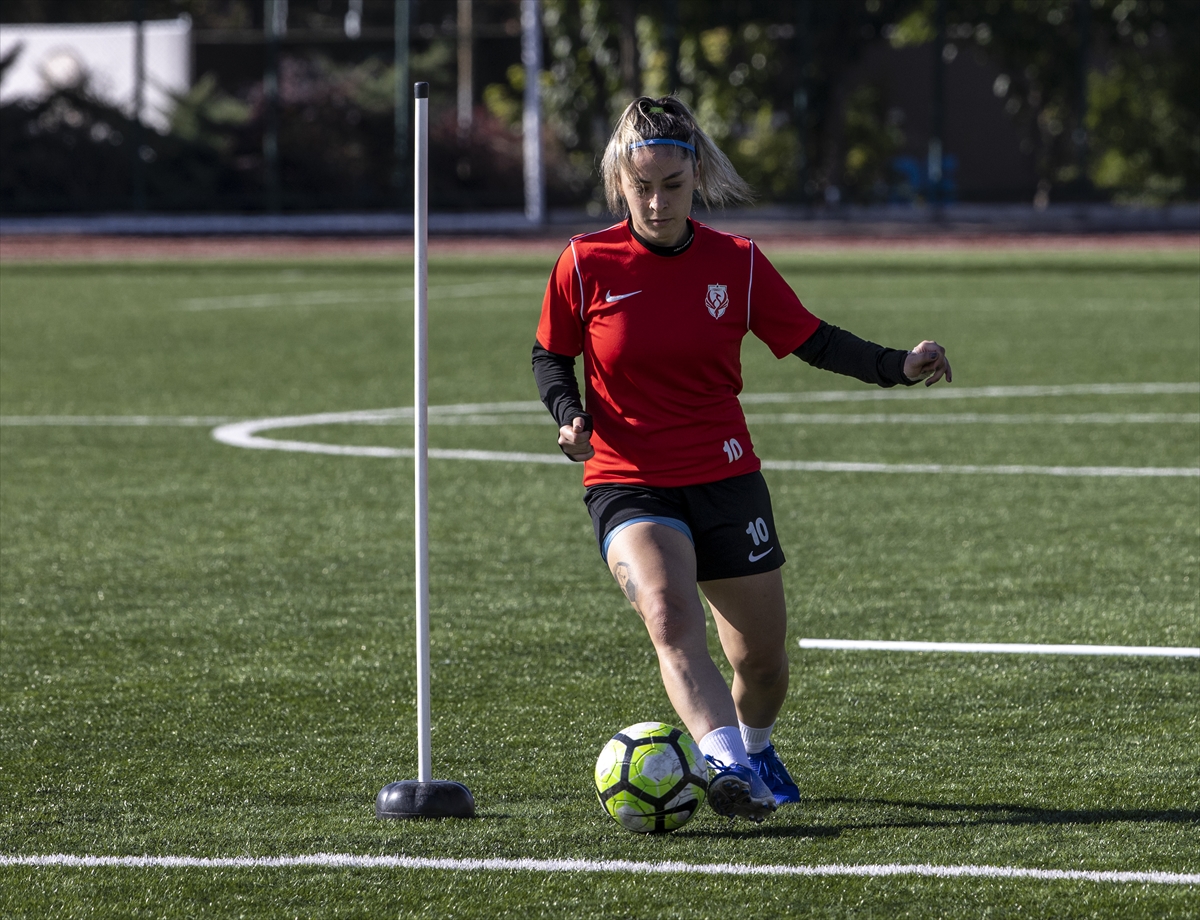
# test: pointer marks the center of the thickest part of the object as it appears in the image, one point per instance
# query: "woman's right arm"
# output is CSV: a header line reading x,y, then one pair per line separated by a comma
x,y
559,390
561,327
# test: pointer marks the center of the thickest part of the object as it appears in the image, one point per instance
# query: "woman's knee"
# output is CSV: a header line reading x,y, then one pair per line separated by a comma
x,y
672,622
762,668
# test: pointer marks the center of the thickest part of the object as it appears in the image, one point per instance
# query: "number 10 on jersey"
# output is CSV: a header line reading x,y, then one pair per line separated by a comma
x,y
733,450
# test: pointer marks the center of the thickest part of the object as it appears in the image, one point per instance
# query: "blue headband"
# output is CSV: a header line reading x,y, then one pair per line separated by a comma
x,y
662,140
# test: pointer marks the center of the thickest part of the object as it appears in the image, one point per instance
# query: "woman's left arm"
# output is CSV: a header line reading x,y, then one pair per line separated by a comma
x,y
777,316
832,349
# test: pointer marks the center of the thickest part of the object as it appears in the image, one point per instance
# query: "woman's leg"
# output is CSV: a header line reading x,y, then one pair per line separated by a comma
x,y
751,617
655,566
752,623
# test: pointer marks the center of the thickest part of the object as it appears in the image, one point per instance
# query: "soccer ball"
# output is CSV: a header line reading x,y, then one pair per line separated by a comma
x,y
651,778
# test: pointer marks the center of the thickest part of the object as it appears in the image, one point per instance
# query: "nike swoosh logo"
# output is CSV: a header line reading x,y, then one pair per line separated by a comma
x,y
610,297
754,557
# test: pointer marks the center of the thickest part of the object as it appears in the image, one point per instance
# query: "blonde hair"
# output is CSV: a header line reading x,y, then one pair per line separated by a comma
x,y
669,119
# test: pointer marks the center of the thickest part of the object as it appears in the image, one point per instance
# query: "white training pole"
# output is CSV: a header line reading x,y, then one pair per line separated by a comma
x,y
421,418
425,797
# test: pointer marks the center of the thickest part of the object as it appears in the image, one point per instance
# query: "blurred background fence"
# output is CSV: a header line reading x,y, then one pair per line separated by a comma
x,y
303,105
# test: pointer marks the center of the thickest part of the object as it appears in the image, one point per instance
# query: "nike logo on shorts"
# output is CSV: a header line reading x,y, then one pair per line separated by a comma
x,y
754,557
610,297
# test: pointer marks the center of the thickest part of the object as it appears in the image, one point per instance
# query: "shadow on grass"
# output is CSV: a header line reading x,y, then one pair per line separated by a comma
x,y
940,814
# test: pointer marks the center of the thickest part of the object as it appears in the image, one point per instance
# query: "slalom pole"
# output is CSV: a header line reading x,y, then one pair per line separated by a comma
x,y
421,421
425,797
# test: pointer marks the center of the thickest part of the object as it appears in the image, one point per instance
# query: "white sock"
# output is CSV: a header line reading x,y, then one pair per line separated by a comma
x,y
756,739
725,745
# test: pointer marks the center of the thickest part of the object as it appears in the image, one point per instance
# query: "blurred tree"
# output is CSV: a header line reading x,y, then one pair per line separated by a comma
x,y
1144,111
71,152
1140,134
767,78
873,138
759,74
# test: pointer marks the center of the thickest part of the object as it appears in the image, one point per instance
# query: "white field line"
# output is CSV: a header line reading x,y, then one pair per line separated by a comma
x,y
336,298
126,421
292,299
482,413
539,416
956,392
245,433
623,866
973,418
1120,472
1014,648
457,417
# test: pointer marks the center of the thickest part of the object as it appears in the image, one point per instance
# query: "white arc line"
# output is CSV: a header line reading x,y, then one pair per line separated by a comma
x,y
246,434
1015,648
503,414
351,861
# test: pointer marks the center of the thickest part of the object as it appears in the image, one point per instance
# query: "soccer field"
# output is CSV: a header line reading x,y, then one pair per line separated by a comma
x,y
208,650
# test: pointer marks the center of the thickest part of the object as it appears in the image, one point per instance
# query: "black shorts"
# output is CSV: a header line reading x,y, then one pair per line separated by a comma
x,y
729,521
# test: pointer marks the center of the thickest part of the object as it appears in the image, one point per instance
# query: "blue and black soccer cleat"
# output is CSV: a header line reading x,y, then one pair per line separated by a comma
x,y
738,792
770,769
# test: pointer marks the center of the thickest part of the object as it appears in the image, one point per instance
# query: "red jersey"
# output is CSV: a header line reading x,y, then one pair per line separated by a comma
x,y
661,341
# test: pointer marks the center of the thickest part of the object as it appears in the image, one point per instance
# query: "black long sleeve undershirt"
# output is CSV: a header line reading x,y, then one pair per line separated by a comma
x,y
830,348
554,375
833,349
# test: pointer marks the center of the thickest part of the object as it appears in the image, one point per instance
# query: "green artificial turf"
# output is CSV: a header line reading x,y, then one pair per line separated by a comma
x,y
209,651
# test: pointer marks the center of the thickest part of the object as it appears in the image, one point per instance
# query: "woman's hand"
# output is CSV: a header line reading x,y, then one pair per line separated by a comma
x,y
925,362
576,440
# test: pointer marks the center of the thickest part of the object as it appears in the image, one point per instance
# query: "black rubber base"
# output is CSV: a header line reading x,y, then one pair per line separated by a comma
x,y
413,799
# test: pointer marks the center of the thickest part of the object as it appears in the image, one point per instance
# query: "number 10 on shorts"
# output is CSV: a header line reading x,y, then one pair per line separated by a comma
x,y
733,450
758,532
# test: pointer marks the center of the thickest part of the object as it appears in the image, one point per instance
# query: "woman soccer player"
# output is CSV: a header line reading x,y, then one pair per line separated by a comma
x,y
658,306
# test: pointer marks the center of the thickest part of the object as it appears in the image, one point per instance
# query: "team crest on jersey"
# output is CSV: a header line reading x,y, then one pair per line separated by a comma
x,y
717,300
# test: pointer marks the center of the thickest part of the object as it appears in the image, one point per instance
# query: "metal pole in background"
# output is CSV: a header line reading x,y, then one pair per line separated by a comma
x,y
531,57
670,42
803,26
400,62
1083,10
139,94
937,119
352,21
421,419
275,23
466,70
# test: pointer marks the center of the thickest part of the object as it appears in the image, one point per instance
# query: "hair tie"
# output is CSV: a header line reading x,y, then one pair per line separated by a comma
x,y
655,141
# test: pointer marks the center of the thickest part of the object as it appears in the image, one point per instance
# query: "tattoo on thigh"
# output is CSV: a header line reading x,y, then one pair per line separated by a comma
x,y
624,576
